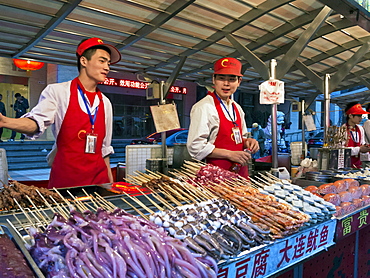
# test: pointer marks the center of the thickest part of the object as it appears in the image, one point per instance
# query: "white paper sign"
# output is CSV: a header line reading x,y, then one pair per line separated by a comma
x,y
308,121
271,92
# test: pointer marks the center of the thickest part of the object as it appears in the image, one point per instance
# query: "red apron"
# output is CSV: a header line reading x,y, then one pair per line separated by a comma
x,y
225,138
72,166
355,160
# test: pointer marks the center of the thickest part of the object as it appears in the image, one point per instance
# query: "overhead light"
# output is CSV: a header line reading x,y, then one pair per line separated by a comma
x,y
341,16
345,32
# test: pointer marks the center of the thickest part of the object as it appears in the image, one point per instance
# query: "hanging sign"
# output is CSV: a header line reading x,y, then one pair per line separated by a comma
x,y
309,123
165,117
271,92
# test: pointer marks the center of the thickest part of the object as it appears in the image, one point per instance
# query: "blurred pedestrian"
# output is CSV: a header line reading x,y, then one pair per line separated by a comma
x,y
2,111
20,107
259,134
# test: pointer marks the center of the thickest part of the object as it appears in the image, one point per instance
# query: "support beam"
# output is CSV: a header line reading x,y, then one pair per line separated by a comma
x,y
347,66
293,53
64,11
173,76
315,79
256,62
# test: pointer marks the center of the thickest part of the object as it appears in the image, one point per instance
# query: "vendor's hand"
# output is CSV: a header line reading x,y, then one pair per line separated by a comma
x,y
365,148
252,145
241,157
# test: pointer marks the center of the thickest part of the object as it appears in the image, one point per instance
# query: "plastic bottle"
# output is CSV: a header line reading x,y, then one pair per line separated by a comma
x,y
235,167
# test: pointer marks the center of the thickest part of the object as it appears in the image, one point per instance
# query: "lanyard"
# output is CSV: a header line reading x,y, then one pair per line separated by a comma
x,y
92,119
223,104
354,135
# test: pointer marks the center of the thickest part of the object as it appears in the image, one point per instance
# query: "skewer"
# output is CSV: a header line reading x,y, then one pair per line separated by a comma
x,y
150,200
135,209
139,203
169,196
21,237
24,212
45,201
108,205
37,219
163,201
60,209
37,210
78,203
21,224
61,196
154,174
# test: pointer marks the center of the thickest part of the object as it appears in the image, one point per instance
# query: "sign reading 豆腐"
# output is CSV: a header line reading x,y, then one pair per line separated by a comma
x,y
282,253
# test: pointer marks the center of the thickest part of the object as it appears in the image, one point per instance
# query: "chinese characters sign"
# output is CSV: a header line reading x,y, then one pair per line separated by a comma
x,y
139,85
281,254
350,224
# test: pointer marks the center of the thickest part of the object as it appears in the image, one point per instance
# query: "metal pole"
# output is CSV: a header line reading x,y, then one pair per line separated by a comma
x,y
163,134
274,165
327,104
303,156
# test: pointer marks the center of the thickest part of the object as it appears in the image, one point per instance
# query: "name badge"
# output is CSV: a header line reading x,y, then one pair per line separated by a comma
x,y
90,146
237,136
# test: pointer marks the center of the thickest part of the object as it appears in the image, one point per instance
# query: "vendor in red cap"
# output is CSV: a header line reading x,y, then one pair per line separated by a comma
x,y
80,117
355,133
217,131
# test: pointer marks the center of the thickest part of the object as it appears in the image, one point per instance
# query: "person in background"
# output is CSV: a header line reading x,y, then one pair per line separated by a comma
x,y
366,126
3,112
20,107
217,130
81,120
259,134
355,133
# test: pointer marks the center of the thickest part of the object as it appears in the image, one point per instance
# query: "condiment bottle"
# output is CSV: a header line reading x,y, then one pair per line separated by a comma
x,y
235,167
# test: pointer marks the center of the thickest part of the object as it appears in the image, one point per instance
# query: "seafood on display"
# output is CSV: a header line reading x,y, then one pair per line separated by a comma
x,y
214,227
347,195
264,209
317,208
107,242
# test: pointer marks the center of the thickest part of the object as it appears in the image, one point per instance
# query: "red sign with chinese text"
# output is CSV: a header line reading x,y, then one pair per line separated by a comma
x,y
139,85
353,222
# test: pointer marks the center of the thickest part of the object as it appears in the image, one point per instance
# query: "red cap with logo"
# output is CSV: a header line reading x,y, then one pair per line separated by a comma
x,y
115,55
356,110
229,66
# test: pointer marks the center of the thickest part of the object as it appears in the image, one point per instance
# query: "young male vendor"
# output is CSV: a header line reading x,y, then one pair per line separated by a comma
x,y
217,129
80,117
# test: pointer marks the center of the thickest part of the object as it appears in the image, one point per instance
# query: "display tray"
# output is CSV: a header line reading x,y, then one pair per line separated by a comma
x,y
5,228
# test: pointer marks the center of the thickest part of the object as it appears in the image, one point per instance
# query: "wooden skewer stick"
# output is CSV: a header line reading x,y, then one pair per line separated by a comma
x,y
170,196
20,236
20,223
78,203
163,201
139,203
60,208
25,213
105,203
150,200
45,201
135,209
37,219
38,211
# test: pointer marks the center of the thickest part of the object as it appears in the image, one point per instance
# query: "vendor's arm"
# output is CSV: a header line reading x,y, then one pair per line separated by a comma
x,y
21,125
107,162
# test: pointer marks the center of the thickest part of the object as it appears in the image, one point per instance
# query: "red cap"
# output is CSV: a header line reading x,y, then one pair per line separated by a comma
x,y
356,110
115,55
228,65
